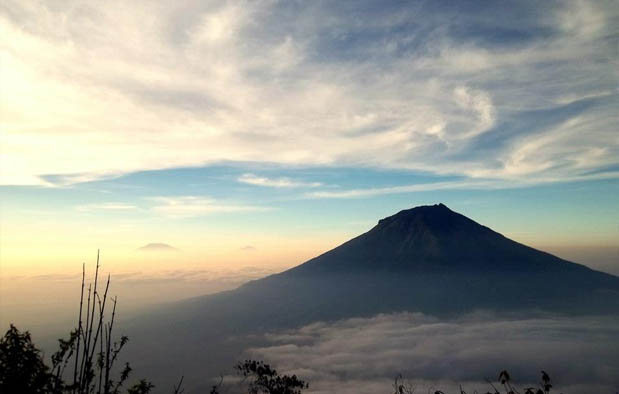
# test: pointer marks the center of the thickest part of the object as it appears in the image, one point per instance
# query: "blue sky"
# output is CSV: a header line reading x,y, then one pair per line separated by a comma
x,y
274,123
310,200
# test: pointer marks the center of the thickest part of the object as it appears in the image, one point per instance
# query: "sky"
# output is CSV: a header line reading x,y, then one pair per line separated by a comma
x,y
253,135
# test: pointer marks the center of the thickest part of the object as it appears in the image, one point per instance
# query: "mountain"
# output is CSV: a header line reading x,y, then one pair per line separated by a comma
x,y
427,259
432,239
157,247
434,260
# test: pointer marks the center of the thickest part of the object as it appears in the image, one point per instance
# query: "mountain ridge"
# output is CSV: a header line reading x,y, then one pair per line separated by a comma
x,y
432,238
360,279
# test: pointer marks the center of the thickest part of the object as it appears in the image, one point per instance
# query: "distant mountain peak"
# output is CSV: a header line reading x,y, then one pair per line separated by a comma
x,y
437,220
428,209
436,210
431,238
157,247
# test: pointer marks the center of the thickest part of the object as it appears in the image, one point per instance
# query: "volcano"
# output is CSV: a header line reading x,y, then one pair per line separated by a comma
x,y
427,259
433,239
433,260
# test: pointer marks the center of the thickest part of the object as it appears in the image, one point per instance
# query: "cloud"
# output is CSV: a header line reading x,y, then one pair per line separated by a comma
x,y
223,277
443,88
107,206
192,206
27,302
469,184
248,248
231,277
363,355
480,103
157,247
421,187
252,179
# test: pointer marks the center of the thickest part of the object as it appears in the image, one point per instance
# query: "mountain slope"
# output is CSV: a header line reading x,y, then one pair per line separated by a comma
x,y
427,259
433,239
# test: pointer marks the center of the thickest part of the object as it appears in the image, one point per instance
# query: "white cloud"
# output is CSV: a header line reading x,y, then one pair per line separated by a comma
x,y
363,355
99,89
107,206
192,206
420,187
487,184
252,179
478,102
572,98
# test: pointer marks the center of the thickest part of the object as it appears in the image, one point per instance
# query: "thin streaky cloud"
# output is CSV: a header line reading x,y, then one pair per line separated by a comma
x,y
194,206
370,192
284,182
468,184
107,206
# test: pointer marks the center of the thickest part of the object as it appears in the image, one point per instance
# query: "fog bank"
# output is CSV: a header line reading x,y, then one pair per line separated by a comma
x,y
364,355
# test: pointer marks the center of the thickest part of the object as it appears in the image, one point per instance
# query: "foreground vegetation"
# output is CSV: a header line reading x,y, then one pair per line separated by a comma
x,y
23,370
86,362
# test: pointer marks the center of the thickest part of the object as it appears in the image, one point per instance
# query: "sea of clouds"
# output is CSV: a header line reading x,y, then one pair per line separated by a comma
x,y
364,355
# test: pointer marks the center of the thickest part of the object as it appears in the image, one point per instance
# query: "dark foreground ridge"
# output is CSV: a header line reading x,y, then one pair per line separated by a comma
x,y
426,259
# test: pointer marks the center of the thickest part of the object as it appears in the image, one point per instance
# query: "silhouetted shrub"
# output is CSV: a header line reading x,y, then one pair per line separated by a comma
x,y
143,387
22,369
265,379
88,355
402,387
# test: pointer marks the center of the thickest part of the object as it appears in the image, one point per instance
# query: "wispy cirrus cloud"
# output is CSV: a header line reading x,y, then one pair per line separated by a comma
x,y
252,179
466,184
192,206
107,206
444,88
421,187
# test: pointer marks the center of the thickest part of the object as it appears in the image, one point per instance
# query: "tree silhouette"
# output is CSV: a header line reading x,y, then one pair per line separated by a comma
x,y
90,352
22,369
266,380
142,387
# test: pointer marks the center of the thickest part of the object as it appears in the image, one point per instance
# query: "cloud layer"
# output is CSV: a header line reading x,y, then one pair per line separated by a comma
x,y
364,355
26,300
93,90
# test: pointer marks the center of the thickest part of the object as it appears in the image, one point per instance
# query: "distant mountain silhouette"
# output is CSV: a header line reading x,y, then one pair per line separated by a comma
x,y
427,259
432,239
434,260
157,247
